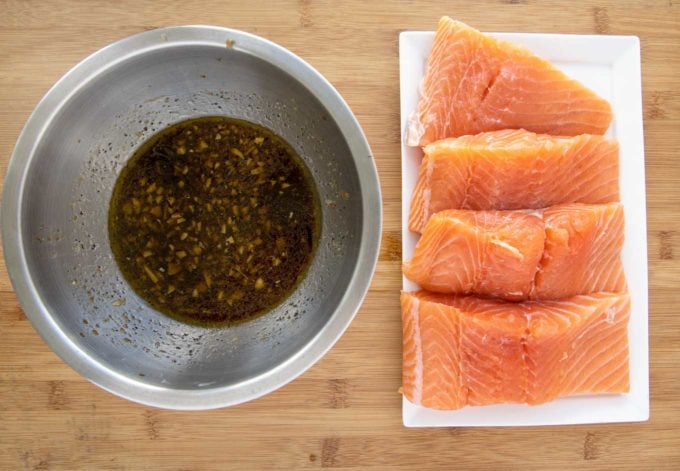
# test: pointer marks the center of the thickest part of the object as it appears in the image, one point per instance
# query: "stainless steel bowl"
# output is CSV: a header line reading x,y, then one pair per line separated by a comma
x,y
56,200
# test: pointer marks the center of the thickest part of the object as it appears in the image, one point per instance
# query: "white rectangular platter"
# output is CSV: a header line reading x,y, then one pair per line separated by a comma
x,y
610,66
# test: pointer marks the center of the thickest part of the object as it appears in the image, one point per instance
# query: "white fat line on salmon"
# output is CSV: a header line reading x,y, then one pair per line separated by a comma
x,y
610,314
426,206
510,248
427,193
414,128
418,386
532,212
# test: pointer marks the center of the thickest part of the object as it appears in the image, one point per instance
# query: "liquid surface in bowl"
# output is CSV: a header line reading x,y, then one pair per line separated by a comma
x,y
214,220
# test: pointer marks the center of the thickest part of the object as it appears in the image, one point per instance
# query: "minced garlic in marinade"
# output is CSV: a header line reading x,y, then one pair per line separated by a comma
x,y
214,220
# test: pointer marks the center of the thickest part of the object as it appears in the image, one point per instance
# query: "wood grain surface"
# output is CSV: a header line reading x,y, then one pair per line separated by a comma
x,y
345,412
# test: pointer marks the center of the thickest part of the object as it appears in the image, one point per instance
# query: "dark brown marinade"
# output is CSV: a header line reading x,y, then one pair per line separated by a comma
x,y
214,221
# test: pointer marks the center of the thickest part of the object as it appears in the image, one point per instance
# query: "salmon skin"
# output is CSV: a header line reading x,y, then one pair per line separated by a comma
x,y
514,169
559,252
475,83
462,350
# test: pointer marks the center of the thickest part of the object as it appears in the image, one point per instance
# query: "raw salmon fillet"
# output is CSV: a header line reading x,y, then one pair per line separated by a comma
x,y
514,169
516,255
494,253
462,350
582,251
475,83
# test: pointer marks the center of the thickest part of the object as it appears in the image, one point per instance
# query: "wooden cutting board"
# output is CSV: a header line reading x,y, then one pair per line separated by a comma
x,y
345,412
